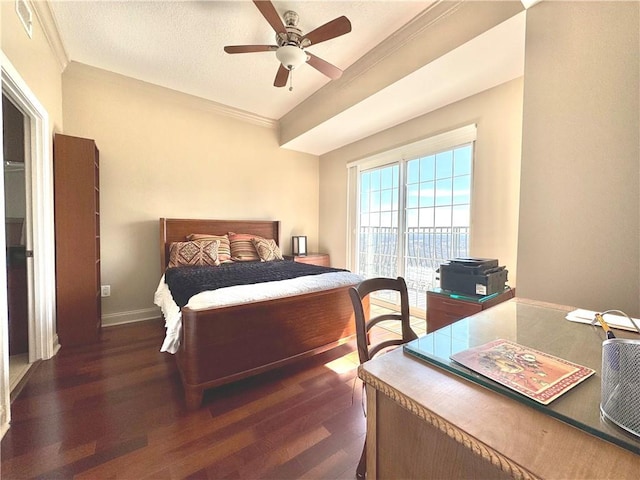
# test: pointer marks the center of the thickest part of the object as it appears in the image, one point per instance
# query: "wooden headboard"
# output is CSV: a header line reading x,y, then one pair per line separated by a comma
x,y
177,229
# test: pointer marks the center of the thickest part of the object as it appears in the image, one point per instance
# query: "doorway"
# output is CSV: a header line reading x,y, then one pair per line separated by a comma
x,y
15,127
39,233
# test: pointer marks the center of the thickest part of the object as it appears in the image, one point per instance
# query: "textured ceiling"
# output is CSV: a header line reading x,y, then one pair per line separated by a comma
x,y
179,44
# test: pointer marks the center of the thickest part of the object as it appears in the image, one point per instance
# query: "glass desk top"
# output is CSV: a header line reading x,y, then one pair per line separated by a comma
x,y
466,296
542,328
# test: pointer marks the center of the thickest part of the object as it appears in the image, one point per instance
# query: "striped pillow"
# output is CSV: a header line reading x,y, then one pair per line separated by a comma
x,y
224,250
242,249
198,252
267,249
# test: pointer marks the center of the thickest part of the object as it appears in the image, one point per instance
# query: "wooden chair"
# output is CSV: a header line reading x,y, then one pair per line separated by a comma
x,y
366,350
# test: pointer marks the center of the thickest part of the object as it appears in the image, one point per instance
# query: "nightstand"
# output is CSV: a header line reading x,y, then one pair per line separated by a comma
x,y
321,259
444,308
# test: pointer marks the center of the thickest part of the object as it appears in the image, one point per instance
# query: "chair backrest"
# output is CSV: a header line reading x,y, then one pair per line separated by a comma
x,y
366,351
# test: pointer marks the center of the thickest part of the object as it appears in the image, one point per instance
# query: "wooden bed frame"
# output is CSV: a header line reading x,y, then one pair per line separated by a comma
x,y
224,344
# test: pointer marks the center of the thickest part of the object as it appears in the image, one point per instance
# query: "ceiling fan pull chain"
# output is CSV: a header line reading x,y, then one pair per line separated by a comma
x,y
291,81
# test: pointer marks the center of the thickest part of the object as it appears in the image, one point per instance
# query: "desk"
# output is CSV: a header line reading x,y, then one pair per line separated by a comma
x,y
425,422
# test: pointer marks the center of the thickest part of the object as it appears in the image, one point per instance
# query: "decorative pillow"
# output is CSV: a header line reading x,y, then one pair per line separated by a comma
x,y
224,250
267,249
197,252
242,249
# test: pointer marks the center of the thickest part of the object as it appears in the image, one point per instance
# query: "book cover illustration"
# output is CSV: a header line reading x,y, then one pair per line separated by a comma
x,y
538,375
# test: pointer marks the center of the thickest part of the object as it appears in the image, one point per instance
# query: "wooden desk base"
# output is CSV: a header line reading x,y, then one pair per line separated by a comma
x,y
424,422
423,447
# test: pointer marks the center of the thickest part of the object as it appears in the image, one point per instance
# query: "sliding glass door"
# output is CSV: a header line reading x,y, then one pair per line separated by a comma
x,y
379,222
438,212
412,215
378,214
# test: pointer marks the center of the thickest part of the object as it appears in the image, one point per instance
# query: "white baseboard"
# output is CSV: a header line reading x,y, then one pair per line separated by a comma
x,y
121,318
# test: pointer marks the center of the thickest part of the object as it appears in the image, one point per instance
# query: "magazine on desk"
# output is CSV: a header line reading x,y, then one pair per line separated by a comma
x,y
538,375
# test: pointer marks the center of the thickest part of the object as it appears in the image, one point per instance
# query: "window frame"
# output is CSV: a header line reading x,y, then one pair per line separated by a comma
x,y
401,156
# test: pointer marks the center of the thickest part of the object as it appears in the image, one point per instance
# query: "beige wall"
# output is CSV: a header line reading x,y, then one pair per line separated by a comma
x,y
35,61
166,154
497,113
579,219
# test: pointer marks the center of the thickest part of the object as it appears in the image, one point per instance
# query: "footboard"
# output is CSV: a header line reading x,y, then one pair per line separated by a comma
x,y
222,345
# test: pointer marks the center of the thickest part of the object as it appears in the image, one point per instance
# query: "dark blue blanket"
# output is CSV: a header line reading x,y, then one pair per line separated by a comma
x,y
185,282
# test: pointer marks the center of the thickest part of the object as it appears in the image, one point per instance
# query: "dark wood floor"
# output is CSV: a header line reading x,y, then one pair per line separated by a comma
x,y
116,410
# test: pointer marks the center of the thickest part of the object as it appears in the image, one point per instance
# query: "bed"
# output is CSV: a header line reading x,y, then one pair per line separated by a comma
x,y
223,344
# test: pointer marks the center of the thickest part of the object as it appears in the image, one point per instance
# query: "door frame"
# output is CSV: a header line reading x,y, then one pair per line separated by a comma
x,y
43,340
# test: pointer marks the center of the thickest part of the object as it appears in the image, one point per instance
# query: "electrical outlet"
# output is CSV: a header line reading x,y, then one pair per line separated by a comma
x,y
105,290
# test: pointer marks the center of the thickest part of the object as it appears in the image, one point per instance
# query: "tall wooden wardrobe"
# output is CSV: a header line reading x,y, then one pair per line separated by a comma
x,y
76,166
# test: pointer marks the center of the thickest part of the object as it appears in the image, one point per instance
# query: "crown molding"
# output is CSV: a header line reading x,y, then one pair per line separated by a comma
x,y
243,115
81,70
407,34
51,32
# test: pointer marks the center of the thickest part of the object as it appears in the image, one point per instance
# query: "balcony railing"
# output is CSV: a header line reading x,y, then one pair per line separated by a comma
x,y
425,249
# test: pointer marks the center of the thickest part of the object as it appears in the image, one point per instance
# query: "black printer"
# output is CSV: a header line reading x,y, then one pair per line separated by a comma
x,y
473,276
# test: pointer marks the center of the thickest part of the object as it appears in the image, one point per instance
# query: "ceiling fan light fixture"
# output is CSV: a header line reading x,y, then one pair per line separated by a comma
x,y
290,43
291,57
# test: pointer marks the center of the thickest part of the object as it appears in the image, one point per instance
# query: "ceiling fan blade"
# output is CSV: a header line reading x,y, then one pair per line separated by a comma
x,y
269,12
250,48
323,66
332,29
281,77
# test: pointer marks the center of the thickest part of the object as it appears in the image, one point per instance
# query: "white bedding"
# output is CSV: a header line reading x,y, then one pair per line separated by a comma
x,y
241,294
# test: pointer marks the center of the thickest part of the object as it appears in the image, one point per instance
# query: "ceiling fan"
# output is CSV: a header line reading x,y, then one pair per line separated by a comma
x,y
291,43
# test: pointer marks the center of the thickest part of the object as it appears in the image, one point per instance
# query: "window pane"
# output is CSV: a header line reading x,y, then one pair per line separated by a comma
x,y
443,191
375,201
443,216
413,171
460,216
462,189
364,202
426,217
444,164
365,182
375,180
427,194
385,219
385,203
413,195
462,160
427,168
412,218
386,178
